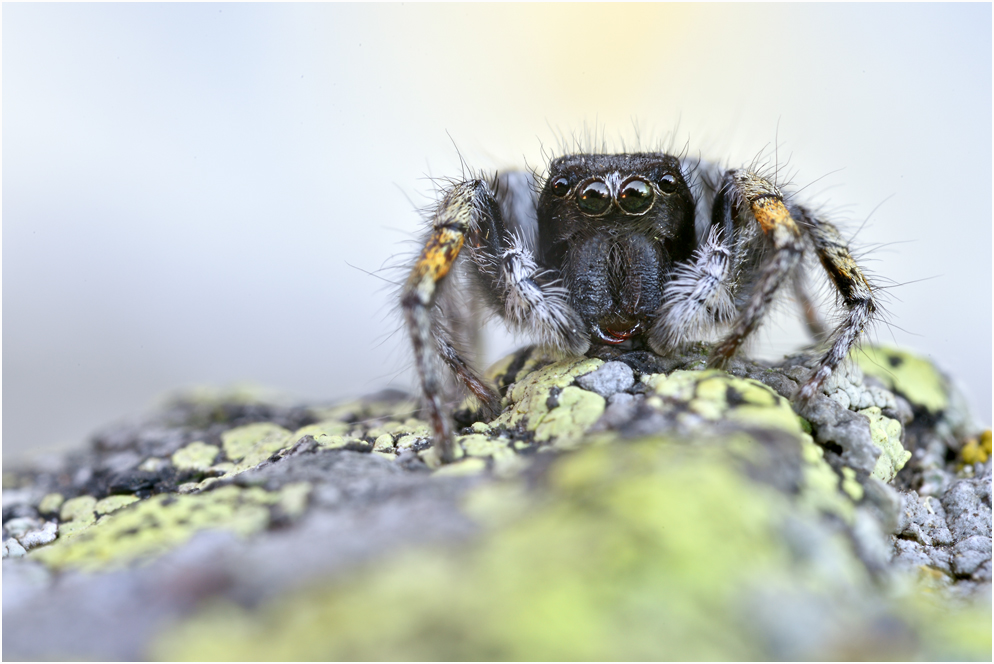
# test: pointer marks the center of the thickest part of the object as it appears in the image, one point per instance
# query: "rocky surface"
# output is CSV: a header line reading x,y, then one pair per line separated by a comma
x,y
624,506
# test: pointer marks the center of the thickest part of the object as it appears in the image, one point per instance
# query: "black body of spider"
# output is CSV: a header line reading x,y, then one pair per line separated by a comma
x,y
638,249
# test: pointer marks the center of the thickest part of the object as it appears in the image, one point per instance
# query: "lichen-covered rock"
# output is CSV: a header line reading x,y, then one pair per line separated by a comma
x,y
623,506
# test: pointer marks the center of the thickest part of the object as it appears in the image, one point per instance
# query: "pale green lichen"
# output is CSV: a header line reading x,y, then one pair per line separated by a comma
x,y
160,523
367,409
113,503
912,376
886,434
536,358
480,445
577,573
81,508
397,428
335,442
408,441
320,431
851,485
529,396
252,444
576,579
153,465
383,443
197,456
706,393
820,486
576,412
469,466
51,503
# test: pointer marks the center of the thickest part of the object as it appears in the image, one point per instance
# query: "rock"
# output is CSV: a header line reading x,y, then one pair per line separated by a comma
x,y
970,553
12,548
610,378
623,506
44,534
968,508
923,519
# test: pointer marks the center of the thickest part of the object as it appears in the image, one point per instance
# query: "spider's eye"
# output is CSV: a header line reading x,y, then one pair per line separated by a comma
x,y
667,183
560,187
636,196
594,197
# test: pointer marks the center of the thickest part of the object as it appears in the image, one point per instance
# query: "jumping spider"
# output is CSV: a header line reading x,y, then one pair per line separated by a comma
x,y
643,249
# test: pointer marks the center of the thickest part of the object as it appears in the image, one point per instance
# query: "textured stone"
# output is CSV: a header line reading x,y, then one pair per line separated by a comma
x,y
40,536
970,553
704,488
608,379
968,508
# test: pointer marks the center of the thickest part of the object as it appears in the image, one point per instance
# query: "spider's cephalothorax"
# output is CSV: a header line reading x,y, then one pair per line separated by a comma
x,y
641,249
614,226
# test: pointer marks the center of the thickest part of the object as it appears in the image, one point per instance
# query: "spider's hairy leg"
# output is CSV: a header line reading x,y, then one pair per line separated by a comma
x,y
456,219
697,296
854,289
748,196
812,320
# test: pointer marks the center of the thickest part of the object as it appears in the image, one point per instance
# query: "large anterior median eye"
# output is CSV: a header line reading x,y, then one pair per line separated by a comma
x,y
636,196
594,197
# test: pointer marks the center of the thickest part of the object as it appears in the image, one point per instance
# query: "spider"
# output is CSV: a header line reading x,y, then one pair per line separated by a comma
x,y
645,249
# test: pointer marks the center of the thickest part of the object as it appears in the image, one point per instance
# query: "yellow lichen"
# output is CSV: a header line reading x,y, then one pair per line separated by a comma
x,y
977,450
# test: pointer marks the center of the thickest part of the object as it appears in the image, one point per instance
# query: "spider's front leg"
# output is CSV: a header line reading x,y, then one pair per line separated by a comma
x,y
525,294
748,197
457,219
744,198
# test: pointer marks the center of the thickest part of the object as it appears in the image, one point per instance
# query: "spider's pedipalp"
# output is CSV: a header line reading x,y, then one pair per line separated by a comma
x,y
697,296
535,301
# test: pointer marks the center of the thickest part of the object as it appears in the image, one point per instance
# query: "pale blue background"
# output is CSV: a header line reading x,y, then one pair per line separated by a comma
x,y
183,184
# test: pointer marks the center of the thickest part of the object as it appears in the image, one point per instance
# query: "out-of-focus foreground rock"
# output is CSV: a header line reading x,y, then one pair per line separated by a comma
x,y
621,507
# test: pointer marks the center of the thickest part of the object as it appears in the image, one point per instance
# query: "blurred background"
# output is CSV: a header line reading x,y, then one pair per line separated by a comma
x,y
195,194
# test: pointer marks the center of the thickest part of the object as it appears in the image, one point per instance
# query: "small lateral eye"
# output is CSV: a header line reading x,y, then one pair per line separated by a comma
x,y
594,197
560,187
636,196
667,183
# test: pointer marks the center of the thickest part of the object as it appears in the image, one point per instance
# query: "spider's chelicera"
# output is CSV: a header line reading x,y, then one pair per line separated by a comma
x,y
638,249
